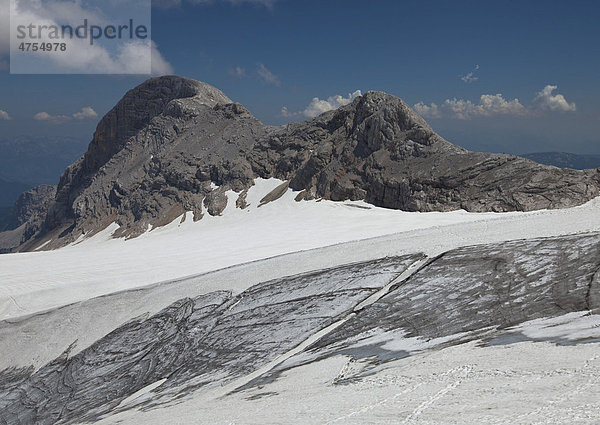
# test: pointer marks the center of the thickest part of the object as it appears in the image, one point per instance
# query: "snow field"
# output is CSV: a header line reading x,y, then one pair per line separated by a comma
x,y
352,231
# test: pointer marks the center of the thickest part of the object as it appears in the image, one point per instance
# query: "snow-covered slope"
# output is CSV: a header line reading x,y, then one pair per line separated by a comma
x,y
524,383
106,360
100,265
310,312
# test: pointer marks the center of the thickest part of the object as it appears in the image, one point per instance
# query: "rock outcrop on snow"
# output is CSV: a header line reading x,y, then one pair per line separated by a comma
x,y
154,156
378,149
29,213
234,342
192,341
173,145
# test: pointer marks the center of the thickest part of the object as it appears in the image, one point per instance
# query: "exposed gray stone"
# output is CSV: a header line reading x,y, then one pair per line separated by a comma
x,y
478,292
275,194
478,288
156,153
33,203
216,202
190,343
378,149
29,213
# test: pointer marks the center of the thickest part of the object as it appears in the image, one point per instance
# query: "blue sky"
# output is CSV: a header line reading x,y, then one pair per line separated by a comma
x,y
535,62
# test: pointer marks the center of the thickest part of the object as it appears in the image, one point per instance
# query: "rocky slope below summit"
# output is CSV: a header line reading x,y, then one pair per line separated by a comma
x,y
173,145
27,216
565,160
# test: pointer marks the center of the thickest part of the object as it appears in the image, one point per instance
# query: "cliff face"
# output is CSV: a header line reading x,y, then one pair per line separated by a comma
x,y
154,156
33,204
173,145
380,150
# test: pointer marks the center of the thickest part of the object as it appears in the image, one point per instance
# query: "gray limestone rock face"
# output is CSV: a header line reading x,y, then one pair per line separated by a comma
x,y
476,290
216,339
191,343
378,149
163,149
33,203
29,213
154,157
216,202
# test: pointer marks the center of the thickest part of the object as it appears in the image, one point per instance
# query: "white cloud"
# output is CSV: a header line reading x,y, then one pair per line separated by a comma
x,y
428,111
286,113
237,72
134,57
489,105
85,113
267,76
53,119
547,101
470,77
318,106
4,115
494,104
160,66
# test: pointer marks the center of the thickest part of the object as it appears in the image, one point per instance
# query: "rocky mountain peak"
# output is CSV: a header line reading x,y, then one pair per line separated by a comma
x,y
173,145
379,120
139,106
376,103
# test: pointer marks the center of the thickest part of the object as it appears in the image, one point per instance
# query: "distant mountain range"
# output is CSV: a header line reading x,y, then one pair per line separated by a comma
x,y
38,160
28,161
565,160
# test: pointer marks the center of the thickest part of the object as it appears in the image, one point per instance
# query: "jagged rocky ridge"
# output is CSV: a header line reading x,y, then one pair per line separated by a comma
x,y
470,293
173,145
28,215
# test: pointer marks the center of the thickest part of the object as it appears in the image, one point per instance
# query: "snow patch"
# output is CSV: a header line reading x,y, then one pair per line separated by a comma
x,y
571,326
142,394
100,264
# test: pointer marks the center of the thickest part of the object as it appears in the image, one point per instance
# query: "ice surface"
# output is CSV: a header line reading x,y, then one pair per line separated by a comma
x,y
263,302
191,341
525,383
33,282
